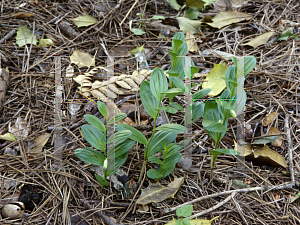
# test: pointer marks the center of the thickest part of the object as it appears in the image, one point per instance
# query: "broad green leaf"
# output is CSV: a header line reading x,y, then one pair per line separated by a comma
x,y
94,136
95,122
214,79
102,109
101,180
173,73
158,138
157,17
172,149
223,19
137,31
84,21
241,104
90,156
117,118
230,79
176,106
217,152
173,91
179,36
123,146
167,109
175,59
260,40
186,25
234,59
265,140
174,4
150,103
119,136
200,94
172,127
158,84
192,14
194,70
24,36
230,105
250,62
171,160
176,44
195,221
154,160
136,134
178,82
45,42
197,110
184,211
214,126
154,174
141,49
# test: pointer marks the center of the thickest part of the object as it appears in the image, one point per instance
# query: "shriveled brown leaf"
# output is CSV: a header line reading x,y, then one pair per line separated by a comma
x,y
260,40
278,141
229,17
40,142
269,118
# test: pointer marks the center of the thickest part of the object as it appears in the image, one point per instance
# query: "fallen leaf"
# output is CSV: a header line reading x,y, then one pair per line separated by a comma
x,y
222,5
192,14
21,129
70,71
223,19
195,3
157,192
266,156
174,4
22,15
260,40
278,141
141,48
190,41
24,36
39,143
294,198
45,43
196,221
214,80
137,31
82,59
8,137
84,21
269,118
186,25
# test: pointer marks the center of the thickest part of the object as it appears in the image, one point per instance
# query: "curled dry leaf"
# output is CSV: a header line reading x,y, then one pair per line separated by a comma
x,y
278,141
229,17
260,40
269,118
21,129
82,59
39,143
157,192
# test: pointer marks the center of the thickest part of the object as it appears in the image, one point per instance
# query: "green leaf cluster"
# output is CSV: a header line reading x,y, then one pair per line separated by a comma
x,y
184,211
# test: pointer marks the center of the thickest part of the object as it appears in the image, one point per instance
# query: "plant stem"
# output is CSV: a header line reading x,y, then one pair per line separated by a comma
x,y
143,171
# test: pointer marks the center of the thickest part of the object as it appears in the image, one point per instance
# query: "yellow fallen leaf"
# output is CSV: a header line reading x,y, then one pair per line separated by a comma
x,y
196,221
24,36
157,192
260,40
229,17
186,25
82,59
45,43
8,137
269,118
84,21
214,79
190,41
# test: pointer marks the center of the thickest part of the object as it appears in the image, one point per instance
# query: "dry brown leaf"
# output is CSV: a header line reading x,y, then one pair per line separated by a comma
x,y
40,142
269,118
190,41
260,40
223,5
223,19
157,192
82,59
21,129
266,156
278,141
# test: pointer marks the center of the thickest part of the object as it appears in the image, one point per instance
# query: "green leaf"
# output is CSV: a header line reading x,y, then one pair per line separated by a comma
x,y
194,70
157,17
136,134
234,59
179,36
101,180
174,4
95,122
192,14
84,21
197,110
45,42
173,91
156,142
116,119
150,103
119,136
154,174
137,31
94,136
178,82
24,36
172,149
176,106
173,73
141,49
284,36
122,147
217,152
167,109
171,160
214,126
155,160
184,211
266,140
91,156
230,79
158,84
240,104
250,62
175,59
172,127
102,109
176,44
186,221
200,94
230,105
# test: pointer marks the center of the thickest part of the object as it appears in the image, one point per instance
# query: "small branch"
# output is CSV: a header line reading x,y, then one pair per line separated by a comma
x,y
8,36
290,147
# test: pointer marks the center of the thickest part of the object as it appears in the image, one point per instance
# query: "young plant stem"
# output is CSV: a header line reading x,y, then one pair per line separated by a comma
x,y
146,153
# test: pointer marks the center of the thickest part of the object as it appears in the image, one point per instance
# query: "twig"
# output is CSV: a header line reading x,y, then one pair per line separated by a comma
x,y
8,36
129,12
282,186
290,147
